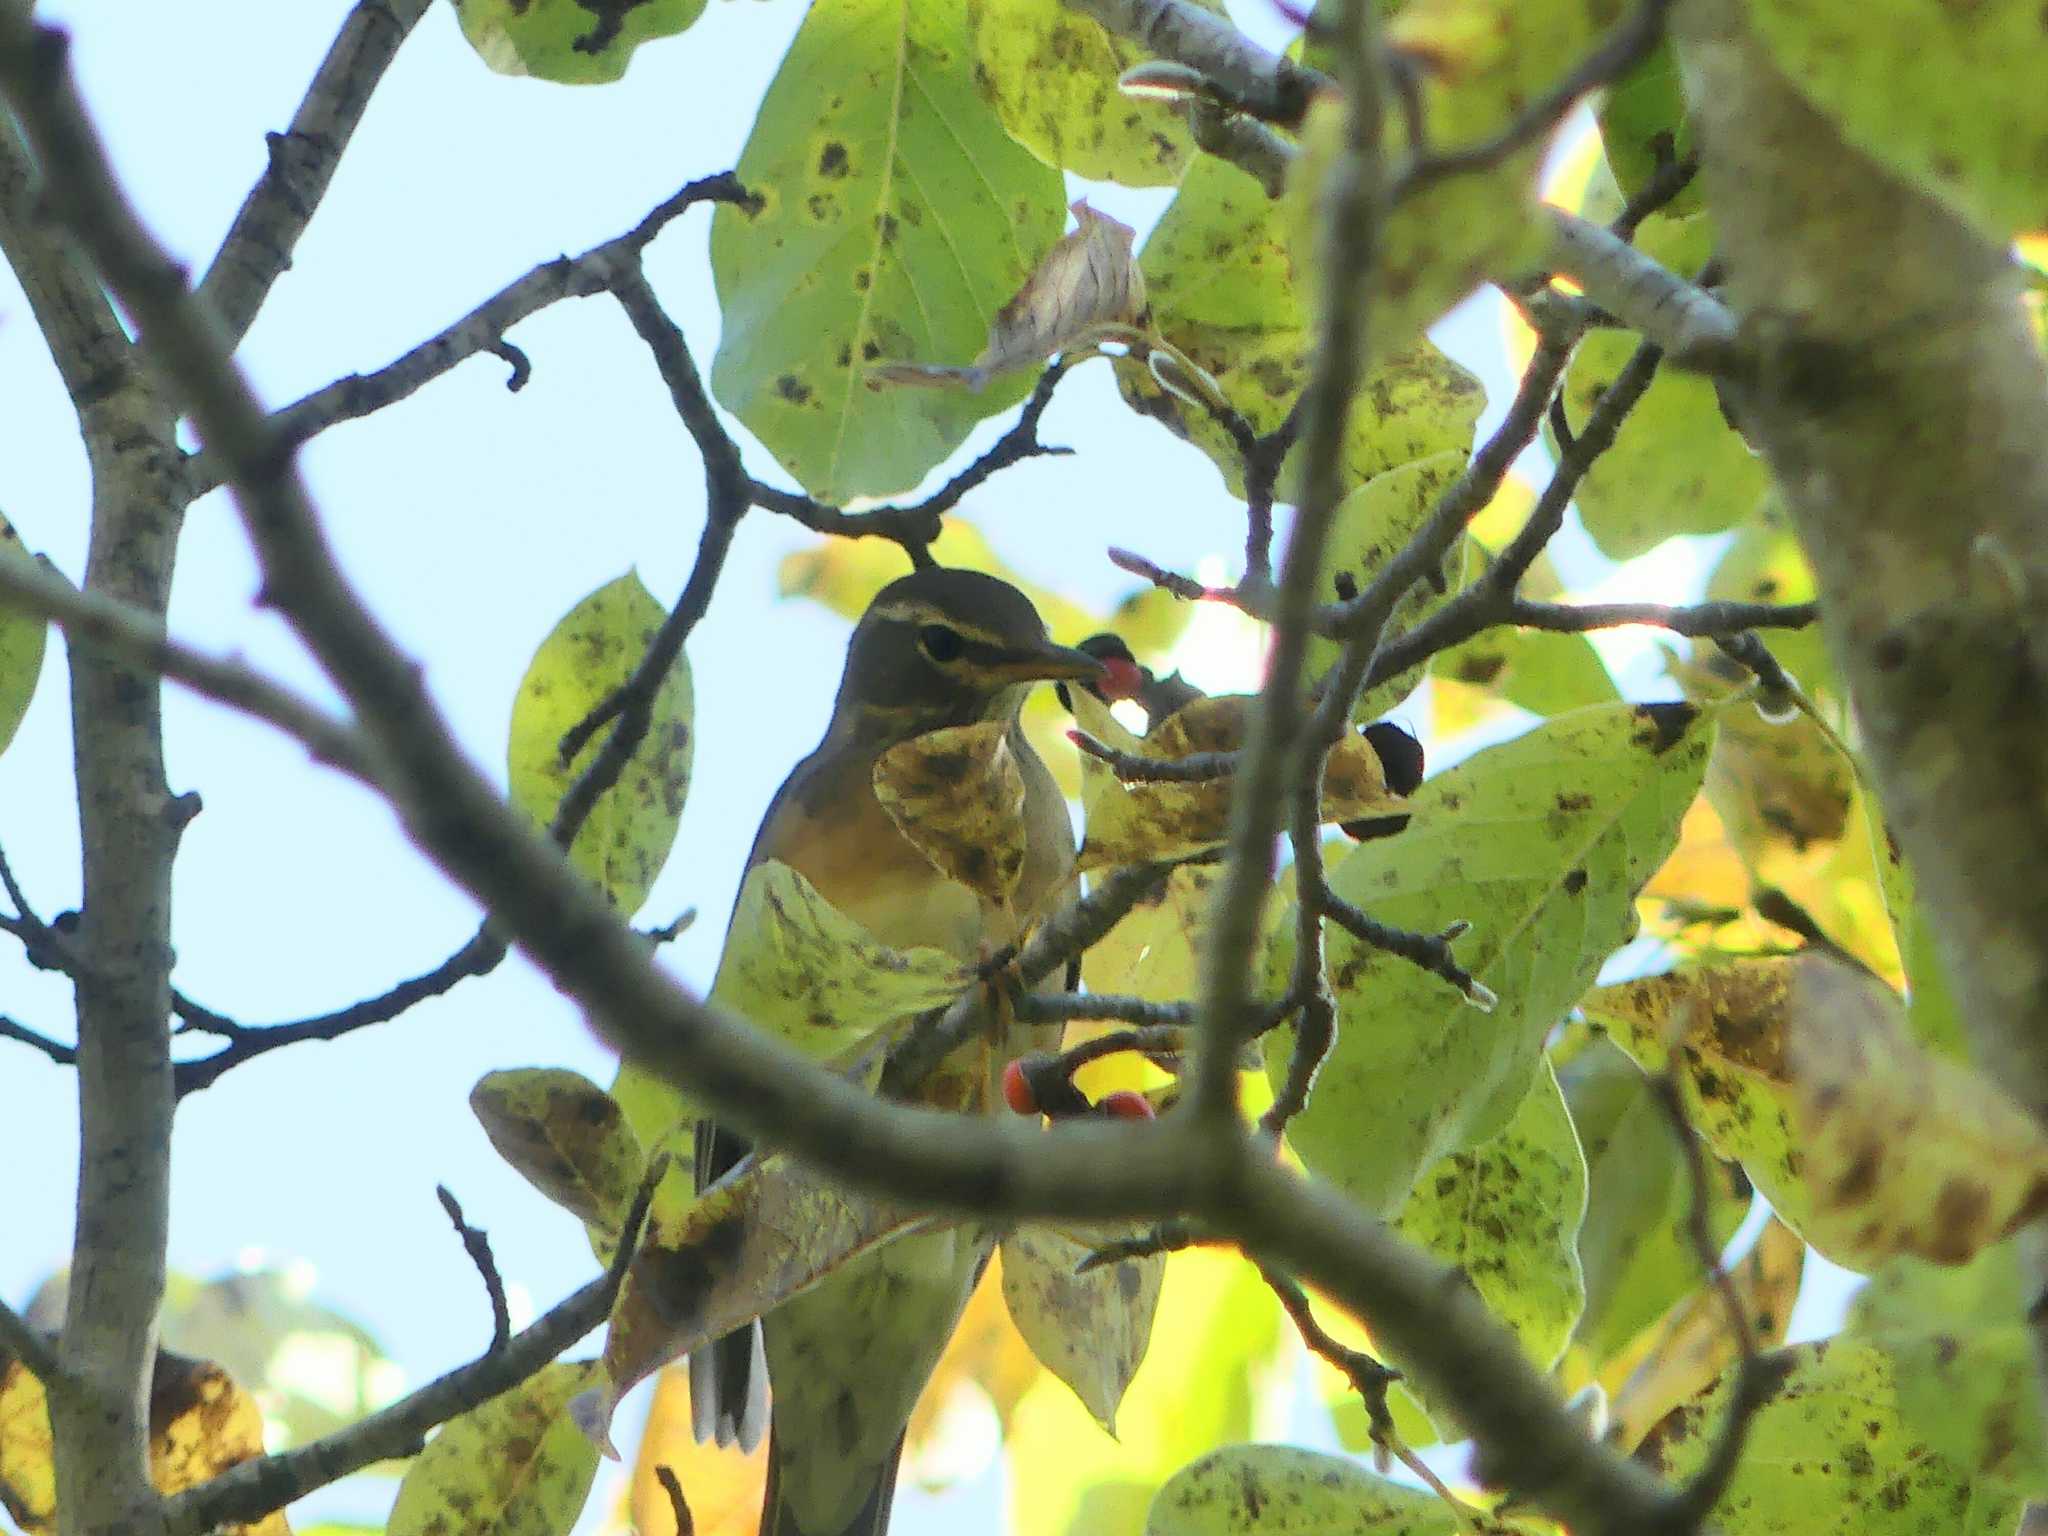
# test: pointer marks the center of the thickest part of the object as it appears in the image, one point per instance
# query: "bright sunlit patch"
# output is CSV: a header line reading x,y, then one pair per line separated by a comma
x,y
1675,571
1129,714
323,1368
518,1304
964,1440
297,1279
1222,650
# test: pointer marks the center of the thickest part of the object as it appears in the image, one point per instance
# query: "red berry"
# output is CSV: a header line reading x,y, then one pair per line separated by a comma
x,y
1017,1090
1125,1104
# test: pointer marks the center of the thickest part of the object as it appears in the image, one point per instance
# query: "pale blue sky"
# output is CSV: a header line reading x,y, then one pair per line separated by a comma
x,y
471,518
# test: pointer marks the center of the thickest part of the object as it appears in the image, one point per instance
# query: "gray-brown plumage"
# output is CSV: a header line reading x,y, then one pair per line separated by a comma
x,y
847,1359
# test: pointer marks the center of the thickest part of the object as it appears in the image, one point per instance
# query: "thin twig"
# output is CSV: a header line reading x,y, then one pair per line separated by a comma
x,y
259,244
246,1042
1160,1026
61,1054
679,1507
477,1244
251,1490
35,1350
1166,1237
1619,51
482,330
1757,1376
1135,768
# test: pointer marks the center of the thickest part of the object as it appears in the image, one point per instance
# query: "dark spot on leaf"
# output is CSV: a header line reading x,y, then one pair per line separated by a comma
x,y
832,160
793,389
1574,882
1668,724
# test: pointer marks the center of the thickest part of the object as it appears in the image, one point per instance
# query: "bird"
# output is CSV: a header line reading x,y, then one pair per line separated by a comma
x,y
845,1361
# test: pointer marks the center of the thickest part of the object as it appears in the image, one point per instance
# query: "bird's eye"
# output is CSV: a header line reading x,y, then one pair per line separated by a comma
x,y
940,643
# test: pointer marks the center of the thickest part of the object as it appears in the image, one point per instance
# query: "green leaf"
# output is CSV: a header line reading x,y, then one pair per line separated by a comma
x,y
801,970
1948,96
585,658
1373,524
1677,466
569,1139
1506,1215
21,648
1638,1254
1931,1015
898,218
573,42
1224,291
1091,1329
1841,1448
1908,1296
1154,951
1541,844
1051,74
1277,1490
1643,122
517,1466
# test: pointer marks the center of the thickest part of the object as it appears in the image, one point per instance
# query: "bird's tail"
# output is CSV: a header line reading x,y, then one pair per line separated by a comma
x,y
871,1519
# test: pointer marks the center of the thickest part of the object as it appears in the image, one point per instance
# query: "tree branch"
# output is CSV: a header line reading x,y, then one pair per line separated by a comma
x,y
1898,399
481,330
1087,1168
253,1489
1696,329
303,158
58,1052
1271,88
1353,201
30,1347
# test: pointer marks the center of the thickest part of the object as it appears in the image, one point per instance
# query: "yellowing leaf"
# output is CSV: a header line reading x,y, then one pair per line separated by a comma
x,y
1694,1342
200,1425
709,1264
517,1466
569,1139
1090,1330
1051,74
21,648
1086,281
28,1465
958,796
897,217
565,40
589,654
1800,1065
1068,1475
722,1486
1134,822
1541,844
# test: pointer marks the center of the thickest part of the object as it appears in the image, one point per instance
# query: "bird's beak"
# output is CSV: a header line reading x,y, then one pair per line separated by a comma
x,y
1048,663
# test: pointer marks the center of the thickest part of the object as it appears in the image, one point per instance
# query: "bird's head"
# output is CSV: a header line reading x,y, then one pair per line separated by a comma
x,y
944,647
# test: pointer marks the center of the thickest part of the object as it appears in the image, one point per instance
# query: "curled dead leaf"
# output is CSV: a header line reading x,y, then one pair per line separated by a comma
x,y
1127,823
1086,280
